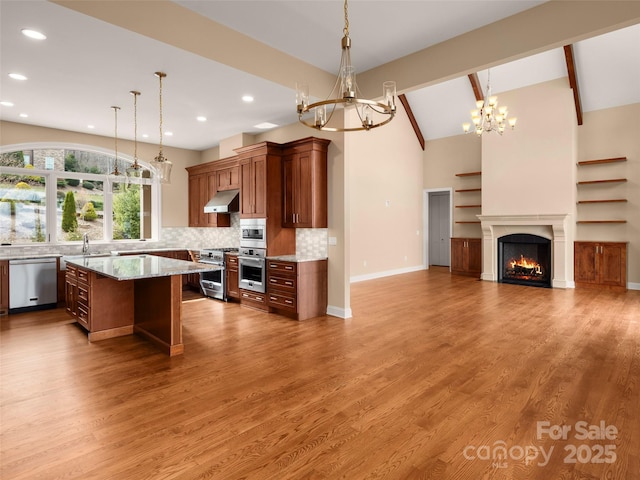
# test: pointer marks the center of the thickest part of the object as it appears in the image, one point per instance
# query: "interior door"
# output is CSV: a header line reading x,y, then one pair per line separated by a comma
x,y
439,228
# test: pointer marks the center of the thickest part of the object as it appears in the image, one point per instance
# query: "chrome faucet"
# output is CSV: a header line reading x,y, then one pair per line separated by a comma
x,y
85,243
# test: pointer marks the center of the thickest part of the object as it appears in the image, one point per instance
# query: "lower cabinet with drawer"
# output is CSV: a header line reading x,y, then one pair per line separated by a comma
x,y
101,305
253,300
297,289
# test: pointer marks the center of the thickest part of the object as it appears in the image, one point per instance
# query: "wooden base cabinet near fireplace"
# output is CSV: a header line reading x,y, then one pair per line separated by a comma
x,y
600,264
466,256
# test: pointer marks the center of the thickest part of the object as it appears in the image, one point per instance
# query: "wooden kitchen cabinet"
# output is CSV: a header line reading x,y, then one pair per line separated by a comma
x,y
231,280
4,287
253,187
202,187
297,289
228,178
304,168
101,305
466,256
600,264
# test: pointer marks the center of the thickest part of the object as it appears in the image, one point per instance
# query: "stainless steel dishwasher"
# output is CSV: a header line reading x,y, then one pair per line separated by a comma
x,y
33,284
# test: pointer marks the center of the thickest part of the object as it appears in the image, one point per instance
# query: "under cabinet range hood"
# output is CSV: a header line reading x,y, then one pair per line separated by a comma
x,y
223,202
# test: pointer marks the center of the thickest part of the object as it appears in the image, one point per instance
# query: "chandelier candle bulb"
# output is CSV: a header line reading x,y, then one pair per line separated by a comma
x,y
302,96
389,93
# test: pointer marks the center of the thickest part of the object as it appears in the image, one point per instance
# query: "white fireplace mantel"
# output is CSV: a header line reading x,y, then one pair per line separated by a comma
x,y
555,227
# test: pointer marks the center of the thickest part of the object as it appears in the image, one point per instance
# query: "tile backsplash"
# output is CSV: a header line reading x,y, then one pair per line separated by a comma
x,y
309,241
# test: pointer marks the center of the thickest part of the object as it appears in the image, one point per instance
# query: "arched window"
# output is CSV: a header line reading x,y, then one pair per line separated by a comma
x,y
57,193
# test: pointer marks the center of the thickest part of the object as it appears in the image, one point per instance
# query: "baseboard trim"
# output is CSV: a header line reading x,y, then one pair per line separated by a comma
x,y
338,311
633,286
388,273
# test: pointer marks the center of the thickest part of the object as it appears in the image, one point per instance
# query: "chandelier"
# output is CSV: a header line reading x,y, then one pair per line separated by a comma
x,y
160,163
488,117
134,169
372,114
115,136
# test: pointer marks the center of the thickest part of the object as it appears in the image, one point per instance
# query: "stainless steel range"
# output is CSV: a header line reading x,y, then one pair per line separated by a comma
x,y
213,283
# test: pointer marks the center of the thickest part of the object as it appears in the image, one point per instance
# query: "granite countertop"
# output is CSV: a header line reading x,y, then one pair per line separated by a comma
x,y
296,258
153,249
26,256
131,267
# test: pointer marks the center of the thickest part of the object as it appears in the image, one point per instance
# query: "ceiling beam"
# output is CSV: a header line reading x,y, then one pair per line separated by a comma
x,y
550,25
412,119
573,80
173,24
475,84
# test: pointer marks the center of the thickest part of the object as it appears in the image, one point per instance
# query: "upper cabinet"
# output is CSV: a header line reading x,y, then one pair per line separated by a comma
x,y
253,187
228,178
304,178
204,182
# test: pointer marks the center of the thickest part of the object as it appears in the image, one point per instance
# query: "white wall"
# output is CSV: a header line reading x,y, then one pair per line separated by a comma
x,y
531,170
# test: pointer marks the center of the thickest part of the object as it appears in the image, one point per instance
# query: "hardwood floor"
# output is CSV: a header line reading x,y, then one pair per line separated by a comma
x,y
428,378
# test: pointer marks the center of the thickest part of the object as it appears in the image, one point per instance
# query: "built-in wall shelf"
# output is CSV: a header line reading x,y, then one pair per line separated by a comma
x,y
472,183
611,180
602,183
603,160
612,200
601,221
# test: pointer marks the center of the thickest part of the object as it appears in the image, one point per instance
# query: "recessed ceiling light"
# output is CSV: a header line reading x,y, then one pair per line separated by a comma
x,y
17,76
33,34
247,98
145,135
201,119
265,125
24,115
168,134
6,104
91,126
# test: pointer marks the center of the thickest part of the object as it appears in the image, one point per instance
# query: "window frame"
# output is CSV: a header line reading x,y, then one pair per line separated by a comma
x,y
52,176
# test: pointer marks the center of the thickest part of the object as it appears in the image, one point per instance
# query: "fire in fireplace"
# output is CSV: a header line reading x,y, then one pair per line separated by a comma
x,y
524,259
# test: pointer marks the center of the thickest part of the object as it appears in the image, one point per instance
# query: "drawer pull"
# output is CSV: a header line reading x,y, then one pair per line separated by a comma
x,y
289,283
288,267
290,302
273,299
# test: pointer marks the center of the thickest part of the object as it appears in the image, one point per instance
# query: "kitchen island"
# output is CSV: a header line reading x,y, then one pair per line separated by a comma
x,y
120,295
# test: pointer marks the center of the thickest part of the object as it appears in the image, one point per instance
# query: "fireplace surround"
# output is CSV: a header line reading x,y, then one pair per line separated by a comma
x,y
554,227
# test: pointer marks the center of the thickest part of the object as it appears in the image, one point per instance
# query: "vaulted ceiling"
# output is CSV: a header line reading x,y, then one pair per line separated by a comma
x,y
214,52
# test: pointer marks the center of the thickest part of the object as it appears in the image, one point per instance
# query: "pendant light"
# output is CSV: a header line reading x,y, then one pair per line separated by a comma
x,y
371,113
115,136
161,165
134,168
487,116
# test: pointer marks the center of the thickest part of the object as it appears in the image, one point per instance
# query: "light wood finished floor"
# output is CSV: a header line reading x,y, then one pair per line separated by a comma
x,y
431,367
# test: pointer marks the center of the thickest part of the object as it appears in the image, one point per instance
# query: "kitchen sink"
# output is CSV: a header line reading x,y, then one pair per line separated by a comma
x,y
63,259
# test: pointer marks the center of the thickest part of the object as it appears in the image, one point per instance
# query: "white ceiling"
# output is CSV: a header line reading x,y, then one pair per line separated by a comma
x,y
86,65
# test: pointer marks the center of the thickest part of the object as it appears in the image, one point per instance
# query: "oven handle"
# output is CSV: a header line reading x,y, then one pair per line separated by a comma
x,y
251,261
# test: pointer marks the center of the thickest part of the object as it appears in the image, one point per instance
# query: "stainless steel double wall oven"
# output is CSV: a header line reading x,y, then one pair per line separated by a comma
x,y
251,257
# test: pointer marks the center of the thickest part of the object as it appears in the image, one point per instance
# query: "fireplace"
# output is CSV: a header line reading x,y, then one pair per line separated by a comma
x,y
524,259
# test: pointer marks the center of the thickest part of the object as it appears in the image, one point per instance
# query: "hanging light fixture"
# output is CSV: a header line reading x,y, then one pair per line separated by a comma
x,y
488,117
372,114
160,163
115,136
134,168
